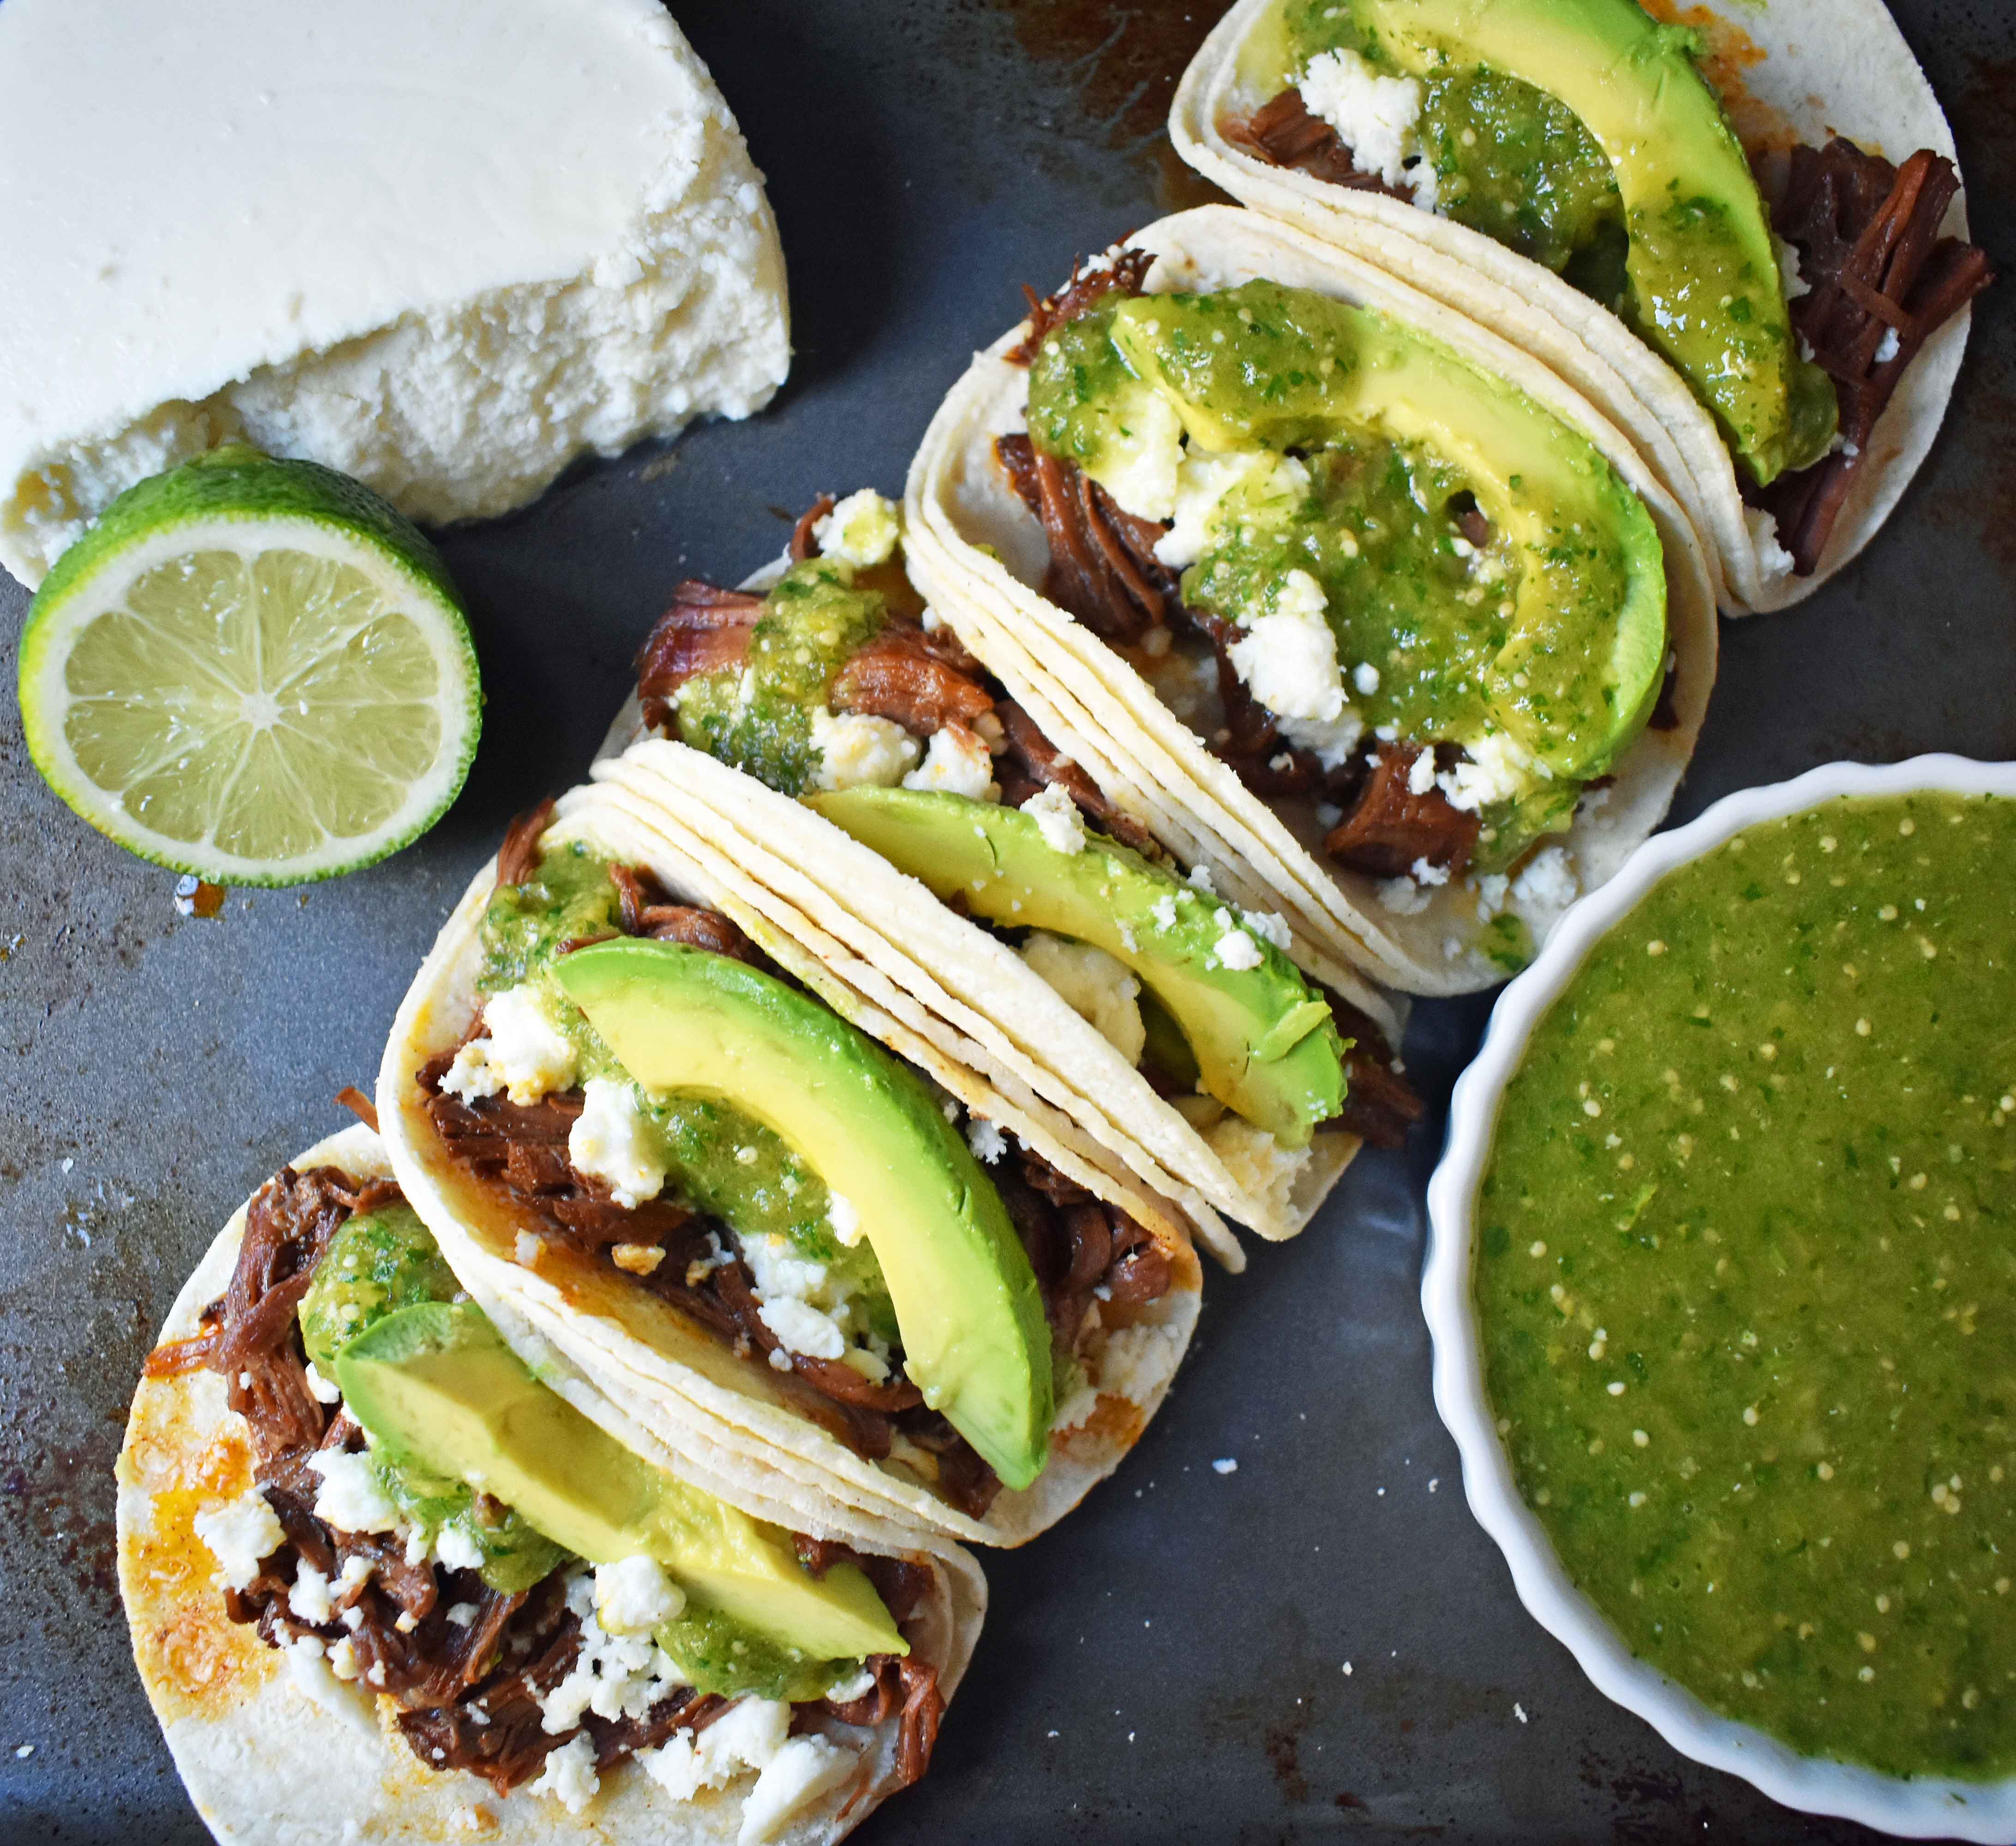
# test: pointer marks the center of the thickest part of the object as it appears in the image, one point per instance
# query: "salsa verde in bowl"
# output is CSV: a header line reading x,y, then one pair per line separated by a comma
x,y
1722,1282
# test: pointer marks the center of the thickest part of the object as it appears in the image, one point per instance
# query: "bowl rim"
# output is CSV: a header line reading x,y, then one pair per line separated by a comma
x,y
1916,1807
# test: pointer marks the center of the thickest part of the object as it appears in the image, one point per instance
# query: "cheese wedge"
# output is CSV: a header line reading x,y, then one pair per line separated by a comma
x,y
445,246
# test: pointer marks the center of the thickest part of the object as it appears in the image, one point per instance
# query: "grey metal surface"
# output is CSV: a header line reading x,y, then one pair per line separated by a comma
x,y
1321,1643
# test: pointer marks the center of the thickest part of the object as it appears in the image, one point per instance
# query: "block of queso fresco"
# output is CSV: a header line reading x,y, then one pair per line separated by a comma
x,y
444,247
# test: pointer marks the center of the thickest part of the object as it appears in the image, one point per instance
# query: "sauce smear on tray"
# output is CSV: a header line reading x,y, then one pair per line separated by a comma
x,y
1746,1278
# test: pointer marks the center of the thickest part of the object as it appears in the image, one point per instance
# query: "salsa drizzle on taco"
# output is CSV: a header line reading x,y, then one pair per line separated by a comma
x,y
1796,358
709,1211
489,1636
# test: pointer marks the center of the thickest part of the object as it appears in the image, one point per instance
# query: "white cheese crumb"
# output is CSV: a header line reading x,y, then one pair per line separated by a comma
x,y
804,1769
1099,988
1227,1465
1057,819
987,1140
240,1533
801,1301
1500,769
1200,877
862,530
1549,885
1270,926
569,1776
1237,951
1165,912
844,1220
612,1140
859,752
320,1388
351,1498
634,1596
1365,676
748,1735
1141,464
1772,559
1375,116
1421,773
1403,896
1793,284
521,1052
614,1676
526,1249
457,1549
310,1598
1888,347
956,762
1288,656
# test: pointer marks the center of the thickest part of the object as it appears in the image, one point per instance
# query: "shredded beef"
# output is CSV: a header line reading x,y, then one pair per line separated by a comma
x,y
1390,829
1869,247
647,911
706,629
1031,762
471,1689
494,1728
1124,275
903,675
804,544
1102,566
1283,133
519,856
257,1345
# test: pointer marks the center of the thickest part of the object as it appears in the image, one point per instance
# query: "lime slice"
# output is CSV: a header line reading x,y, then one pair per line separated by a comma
x,y
256,671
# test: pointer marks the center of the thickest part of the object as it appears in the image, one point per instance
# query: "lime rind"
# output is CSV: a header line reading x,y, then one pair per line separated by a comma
x,y
274,518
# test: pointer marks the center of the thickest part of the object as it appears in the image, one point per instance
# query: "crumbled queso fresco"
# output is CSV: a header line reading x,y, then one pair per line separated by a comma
x,y
1746,1277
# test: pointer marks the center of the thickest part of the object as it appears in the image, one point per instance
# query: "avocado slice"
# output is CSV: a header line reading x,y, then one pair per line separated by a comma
x,y
438,1390
1705,287
1264,367
683,1020
1264,1044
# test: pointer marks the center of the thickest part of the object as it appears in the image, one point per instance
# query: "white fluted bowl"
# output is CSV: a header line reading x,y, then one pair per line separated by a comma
x,y
1918,1807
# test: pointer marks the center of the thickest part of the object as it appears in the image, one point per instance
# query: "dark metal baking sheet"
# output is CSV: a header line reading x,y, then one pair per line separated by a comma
x,y
1322,1643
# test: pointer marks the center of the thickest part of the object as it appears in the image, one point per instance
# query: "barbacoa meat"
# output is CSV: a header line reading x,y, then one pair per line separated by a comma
x,y
1389,828
1031,762
1869,248
1125,273
1102,566
1283,133
706,629
469,1690
914,679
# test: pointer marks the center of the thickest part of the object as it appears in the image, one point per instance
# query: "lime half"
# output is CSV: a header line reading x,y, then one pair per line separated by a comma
x,y
254,670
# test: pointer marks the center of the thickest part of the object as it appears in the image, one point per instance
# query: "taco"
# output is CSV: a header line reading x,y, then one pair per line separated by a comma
x,y
1096,971
1739,232
381,1581
769,1203
1398,631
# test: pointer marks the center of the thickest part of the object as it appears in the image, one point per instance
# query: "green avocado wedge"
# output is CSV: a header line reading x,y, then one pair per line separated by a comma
x,y
437,1389
1264,1042
1705,287
684,1021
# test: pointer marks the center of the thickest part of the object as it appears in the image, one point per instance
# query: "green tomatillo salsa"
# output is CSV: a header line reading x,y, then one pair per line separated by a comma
x,y
1412,549
1745,1277
1581,134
